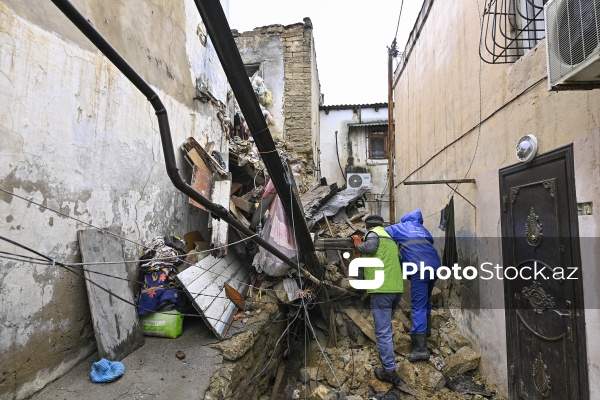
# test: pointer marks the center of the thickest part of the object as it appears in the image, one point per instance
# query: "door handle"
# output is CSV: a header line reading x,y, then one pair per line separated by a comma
x,y
570,316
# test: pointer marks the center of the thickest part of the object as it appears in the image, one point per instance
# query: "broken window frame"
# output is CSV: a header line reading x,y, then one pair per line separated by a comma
x,y
254,68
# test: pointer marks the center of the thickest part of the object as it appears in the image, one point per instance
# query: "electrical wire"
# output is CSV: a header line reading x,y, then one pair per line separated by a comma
x,y
399,16
478,127
54,262
256,376
321,349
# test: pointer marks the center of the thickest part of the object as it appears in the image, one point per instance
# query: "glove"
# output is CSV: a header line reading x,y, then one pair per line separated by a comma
x,y
357,240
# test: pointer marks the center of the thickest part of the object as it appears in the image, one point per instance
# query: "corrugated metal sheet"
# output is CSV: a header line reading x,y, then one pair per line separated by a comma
x,y
204,283
372,123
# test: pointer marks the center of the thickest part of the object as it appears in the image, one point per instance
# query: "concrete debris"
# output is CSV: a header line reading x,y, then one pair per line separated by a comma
x,y
465,359
347,371
469,384
453,338
235,347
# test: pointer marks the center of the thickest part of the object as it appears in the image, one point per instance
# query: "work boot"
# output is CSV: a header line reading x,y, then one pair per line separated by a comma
x,y
388,376
419,347
428,331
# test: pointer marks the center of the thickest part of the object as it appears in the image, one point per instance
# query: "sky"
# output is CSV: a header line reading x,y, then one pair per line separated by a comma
x,y
351,39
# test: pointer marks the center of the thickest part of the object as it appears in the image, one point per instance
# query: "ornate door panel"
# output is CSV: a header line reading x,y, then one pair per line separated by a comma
x,y
544,309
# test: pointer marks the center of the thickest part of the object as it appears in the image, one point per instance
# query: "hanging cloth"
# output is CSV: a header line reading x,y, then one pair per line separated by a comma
x,y
450,255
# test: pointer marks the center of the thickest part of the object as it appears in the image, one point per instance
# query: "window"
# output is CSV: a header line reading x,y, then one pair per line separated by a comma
x,y
377,146
510,28
252,69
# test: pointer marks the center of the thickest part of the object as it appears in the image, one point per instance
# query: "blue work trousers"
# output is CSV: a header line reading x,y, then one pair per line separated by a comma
x,y
383,306
420,301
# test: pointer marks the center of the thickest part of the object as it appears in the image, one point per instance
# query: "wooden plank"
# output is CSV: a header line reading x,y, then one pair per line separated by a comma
x,y
209,160
222,306
361,323
238,214
287,374
116,322
220,229
207,294
235,186
195,157
323,244
243,204
202,183
205,286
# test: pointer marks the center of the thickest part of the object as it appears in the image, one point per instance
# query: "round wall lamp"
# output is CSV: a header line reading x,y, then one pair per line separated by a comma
x,y
527,148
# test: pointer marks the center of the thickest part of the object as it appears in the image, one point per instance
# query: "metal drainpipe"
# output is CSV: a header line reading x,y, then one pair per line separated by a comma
x,y
118,61
219,32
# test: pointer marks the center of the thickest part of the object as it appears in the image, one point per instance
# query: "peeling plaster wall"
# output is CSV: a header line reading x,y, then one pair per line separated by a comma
x,y
78,138
332,122
353,145
264,46
441,96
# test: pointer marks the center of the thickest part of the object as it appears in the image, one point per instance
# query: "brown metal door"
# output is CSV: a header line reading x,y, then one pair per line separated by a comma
x,y
544,313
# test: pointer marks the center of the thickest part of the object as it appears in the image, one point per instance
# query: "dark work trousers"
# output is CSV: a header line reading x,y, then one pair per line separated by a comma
x,y
383,306
420,301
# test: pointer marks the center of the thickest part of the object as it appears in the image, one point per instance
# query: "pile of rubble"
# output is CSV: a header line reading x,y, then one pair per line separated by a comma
x,y
345,370
342,355
340,366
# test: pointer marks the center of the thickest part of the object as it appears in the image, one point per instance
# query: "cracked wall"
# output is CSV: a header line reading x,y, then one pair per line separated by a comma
x,y
78,138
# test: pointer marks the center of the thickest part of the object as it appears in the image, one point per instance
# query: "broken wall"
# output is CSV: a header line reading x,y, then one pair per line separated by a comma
x,y
264,46
78,138
458,117
288,61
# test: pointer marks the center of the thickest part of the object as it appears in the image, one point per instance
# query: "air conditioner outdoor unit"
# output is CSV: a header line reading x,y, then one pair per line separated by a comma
x,y
356,181
572,43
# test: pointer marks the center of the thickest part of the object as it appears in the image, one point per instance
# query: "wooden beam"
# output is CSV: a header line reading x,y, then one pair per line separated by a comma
x,y
243,204
323,244
440,181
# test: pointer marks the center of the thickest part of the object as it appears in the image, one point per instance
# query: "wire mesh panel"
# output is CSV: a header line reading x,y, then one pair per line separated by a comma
x,y
509,28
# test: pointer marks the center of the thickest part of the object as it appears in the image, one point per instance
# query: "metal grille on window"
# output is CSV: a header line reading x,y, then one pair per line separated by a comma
x,y
377,147
510,28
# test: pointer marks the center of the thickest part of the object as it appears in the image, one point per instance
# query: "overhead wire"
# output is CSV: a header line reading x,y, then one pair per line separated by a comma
x,y
478,127
54,262
399,16
132,241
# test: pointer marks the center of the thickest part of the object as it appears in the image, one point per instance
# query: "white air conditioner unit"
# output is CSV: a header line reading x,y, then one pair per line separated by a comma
x,y
572,43
356,181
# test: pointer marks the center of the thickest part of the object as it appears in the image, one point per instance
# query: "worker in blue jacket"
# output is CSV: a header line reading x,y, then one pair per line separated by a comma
x,y
416,246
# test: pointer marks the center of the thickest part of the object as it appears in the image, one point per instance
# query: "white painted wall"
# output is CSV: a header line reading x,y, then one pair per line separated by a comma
x,y
352,142
77,137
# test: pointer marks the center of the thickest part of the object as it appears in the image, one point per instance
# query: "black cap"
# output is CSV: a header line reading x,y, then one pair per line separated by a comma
x,y
373,220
